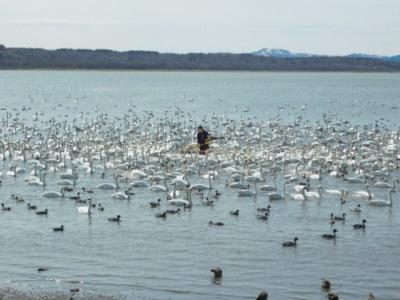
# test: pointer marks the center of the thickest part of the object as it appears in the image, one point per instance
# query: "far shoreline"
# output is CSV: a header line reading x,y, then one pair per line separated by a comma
x,y
198,70
103,59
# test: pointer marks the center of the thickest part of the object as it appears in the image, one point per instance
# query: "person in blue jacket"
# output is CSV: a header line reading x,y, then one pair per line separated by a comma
x,y
203,139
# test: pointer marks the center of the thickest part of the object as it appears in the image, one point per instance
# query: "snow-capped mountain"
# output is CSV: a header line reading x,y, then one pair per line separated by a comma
x,y
275,52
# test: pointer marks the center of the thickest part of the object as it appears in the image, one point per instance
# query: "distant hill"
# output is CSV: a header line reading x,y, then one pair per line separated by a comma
x,y
273,52
395,58
276,60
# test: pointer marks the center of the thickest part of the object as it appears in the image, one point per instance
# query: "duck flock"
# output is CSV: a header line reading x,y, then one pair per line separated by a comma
x,y
354,168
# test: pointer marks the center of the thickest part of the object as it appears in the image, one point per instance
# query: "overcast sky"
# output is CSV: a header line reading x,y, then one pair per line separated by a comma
x,y
314,26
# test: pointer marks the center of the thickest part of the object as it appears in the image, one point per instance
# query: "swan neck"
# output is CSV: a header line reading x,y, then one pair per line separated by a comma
x,y
190,197
304,194
165,184
116,182
174,192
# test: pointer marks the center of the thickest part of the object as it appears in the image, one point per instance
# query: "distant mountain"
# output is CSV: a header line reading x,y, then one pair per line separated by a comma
x,y
273,52
282,53
363,55
395,58
372,56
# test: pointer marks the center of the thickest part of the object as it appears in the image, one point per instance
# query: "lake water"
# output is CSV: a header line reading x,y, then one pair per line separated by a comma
x,y
362,97
145,257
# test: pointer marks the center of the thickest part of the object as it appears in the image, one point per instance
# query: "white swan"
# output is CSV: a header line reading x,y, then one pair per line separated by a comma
x,y
31,178
181,183
312,194
385,185
139,183
354,180
179,202
67,182
276,195
53,194
174,193
11,172
253,178
363,194
69,176
300,187
269,188
38,182
333,191
84,209
299,196
248,192
202,187
315,176
159,188
381,202
138,174
20,170
122,195
182,202
294,176
334,173
237,185
237,177
109,185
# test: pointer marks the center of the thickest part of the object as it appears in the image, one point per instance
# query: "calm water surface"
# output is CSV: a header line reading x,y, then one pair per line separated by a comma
x,y
147,258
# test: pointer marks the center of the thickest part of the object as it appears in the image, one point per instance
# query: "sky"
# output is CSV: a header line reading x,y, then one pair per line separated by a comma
x,y
333,27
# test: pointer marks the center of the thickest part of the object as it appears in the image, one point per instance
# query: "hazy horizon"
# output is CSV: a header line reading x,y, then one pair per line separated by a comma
x,y
331,27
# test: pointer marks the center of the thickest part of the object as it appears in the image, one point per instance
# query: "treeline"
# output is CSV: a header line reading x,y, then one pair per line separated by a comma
x,y
33,58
